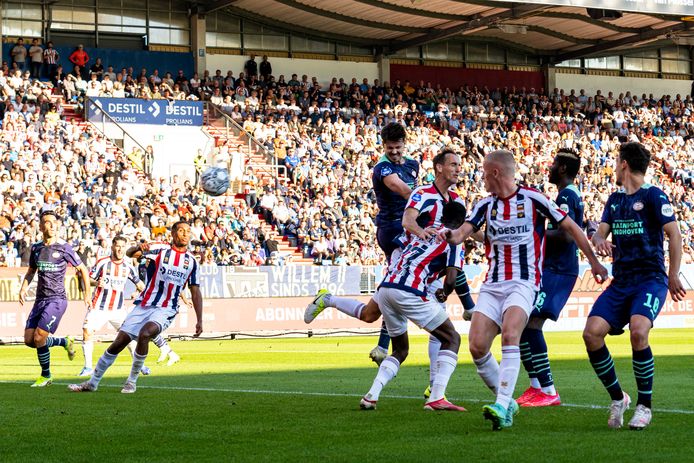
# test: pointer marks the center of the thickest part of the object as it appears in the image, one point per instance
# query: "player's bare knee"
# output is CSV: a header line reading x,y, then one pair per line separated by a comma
x,y
369,315
592,340
400,353
477,350
639,338
29,342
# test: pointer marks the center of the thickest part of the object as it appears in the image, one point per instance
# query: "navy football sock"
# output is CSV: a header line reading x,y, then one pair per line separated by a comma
x,y
44,355
644,369
604,367
383,338
526,355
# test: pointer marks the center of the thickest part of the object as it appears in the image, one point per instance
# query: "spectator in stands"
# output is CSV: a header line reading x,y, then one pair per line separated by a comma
x,y
265,69
250,69
79,58
36,56
18,53
97,69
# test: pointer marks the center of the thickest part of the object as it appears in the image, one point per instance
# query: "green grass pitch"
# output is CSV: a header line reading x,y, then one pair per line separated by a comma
x,y
297,400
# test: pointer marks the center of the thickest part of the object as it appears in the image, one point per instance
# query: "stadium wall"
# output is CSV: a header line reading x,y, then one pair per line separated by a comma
x,y
273,299
617,85
455,77
150,60
324,70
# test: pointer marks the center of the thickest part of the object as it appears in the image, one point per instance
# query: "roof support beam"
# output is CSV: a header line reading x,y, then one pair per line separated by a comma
x,y
605,46
215,5
415,11
515,11
351,19
588,20
559,35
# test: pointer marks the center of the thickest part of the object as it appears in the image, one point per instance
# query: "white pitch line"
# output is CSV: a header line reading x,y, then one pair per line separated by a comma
x,y
340,394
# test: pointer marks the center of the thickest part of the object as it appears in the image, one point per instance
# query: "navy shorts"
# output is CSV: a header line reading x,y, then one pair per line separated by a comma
x,y
385,236
46,314
619,302
555,290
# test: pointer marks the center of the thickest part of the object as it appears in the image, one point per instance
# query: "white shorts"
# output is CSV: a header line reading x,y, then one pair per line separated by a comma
x,y
139,317
96,319
496,298
398,306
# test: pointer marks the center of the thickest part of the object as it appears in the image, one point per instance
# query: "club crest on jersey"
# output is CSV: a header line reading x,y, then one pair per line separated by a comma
x,y
386,171
186,263
520,211
493,213
638,205
416,197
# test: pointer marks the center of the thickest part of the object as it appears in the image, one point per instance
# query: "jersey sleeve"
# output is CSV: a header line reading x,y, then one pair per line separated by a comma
x,y
154,250
567,201
548,209
607,212
456,256
133,276
663,211
98,269
479,214
416,200
33,257
71,256
194,278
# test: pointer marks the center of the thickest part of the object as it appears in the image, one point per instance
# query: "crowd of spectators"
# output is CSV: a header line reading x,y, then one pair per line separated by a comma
x,y
327,137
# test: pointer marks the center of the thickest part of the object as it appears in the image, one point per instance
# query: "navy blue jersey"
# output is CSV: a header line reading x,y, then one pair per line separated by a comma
x,y
636,222
51,262
391,206
562,257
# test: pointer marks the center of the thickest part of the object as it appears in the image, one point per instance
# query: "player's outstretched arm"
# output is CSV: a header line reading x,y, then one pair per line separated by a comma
x,y
197,305
458,235
83,272
677,291
602,245
569,226
448,284
28,277
395,184
136,251
409,223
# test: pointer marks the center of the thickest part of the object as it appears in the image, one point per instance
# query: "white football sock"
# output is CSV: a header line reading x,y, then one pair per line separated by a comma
x,y
488,369
88,350
549,390
105,361
535,383
387,371
131,348
434,346
345,305
508,374
445,366
138,361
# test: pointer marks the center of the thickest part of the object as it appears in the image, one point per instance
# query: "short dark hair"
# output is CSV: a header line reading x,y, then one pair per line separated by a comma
x,y
440,158
393,132
636,156
119,238
178,224
571,159
453,214
47,213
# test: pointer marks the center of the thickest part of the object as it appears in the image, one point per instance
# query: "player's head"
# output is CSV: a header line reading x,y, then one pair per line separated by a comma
x,y
48,224
118,244
499,168
393,137
180,234
453,214
566,164
633,157
447,166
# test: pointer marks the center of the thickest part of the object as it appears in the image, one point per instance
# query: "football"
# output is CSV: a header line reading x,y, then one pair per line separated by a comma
x,y
215,181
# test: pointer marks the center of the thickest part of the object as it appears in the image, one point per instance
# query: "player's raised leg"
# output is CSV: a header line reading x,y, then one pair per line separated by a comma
x,y
148,332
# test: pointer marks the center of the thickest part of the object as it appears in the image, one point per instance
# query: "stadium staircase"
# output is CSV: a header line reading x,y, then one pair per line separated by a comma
x,y
223,130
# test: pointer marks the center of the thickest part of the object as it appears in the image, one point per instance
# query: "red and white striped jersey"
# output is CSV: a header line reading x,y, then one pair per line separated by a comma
x,y
111,277
421,263
429,202
515,233
168,272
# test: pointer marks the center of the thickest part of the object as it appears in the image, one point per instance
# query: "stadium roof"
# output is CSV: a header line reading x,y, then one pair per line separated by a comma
x,y
561,32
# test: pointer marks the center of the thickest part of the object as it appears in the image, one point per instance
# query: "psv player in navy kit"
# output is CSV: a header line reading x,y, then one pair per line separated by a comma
x,y
394,178
559,274
636,216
